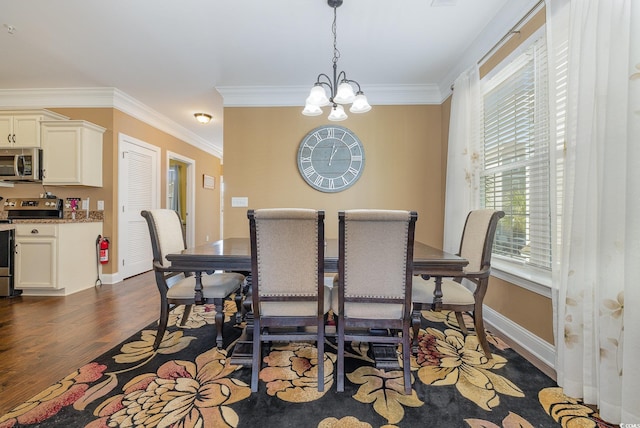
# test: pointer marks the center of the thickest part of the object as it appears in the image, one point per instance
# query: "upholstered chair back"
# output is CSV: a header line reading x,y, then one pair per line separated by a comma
x,y
477,239
169,235
377,273
287,245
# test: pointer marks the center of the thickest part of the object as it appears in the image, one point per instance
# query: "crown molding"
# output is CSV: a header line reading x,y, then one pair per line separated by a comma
x,y
102,98
294,96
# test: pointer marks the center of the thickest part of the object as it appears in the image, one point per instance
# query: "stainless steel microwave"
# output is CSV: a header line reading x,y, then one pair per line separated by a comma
x,y
21,164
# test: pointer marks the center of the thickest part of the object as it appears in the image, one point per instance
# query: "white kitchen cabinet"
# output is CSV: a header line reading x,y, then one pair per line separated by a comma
x,y
22,128
55,259
36,256
72,153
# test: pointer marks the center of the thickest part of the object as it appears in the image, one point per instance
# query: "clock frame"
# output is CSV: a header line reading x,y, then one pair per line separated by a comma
x,y
331,158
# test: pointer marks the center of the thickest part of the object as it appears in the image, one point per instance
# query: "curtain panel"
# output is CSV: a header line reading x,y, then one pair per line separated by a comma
x,y
597,262
463,157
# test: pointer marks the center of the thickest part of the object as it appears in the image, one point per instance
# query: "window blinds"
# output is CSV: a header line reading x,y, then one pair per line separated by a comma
x,y
516,161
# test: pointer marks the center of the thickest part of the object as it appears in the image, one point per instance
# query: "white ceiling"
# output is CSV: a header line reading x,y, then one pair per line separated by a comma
x,y
172,58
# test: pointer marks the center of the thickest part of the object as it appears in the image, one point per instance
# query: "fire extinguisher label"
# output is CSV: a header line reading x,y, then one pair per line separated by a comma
x,y
104,251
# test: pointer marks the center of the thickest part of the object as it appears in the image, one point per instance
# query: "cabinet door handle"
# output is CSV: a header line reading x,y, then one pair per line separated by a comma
x,y
35,231
14,138
8,138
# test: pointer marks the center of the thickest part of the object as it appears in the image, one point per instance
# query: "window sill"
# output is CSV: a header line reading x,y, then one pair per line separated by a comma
x,y
534,280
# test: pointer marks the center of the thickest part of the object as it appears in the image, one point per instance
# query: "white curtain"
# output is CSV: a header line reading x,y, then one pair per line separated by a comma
x,y
598,273
463,157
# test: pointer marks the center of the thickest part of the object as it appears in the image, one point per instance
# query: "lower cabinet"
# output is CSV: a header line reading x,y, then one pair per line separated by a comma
x,y
56,259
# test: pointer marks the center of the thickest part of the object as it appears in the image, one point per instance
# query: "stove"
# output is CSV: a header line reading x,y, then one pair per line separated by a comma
x,y
34,208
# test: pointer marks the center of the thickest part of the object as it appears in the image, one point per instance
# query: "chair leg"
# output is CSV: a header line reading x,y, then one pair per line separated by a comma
x,y
257,356
416,322
406,360
340,371
219,305
238,300
162,323
320,345
461,323
185,314
478,323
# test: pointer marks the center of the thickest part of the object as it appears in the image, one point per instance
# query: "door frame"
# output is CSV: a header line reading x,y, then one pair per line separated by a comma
x,y
123,181
191,193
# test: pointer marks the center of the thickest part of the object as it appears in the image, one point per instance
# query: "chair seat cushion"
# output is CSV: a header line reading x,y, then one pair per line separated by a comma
x,y
295,309
215,286
453,293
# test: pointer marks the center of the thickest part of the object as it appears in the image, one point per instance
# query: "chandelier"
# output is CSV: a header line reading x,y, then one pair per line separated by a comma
x,y
340,89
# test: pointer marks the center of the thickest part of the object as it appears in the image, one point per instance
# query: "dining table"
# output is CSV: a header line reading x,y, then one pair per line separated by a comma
x,y
234,254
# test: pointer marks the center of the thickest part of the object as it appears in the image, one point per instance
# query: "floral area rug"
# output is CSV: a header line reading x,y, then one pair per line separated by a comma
x,y
189,383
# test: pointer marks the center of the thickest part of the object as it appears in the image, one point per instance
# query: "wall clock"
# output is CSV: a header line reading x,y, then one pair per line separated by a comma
x,y
330,158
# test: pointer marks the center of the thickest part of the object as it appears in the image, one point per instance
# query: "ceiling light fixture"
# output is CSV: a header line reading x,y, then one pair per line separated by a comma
x,y
341,89
203,118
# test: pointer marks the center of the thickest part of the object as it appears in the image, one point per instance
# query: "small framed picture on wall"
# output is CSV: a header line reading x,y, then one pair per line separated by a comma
x,y
208,182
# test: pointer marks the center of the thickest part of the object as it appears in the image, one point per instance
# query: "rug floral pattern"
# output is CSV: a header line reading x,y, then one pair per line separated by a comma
x,y
187,383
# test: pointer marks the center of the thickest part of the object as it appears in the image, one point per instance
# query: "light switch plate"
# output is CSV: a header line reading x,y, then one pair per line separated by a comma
x,y
239,202
100,205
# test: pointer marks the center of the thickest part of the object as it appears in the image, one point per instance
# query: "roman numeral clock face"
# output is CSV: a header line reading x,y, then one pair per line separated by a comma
x,y
330,158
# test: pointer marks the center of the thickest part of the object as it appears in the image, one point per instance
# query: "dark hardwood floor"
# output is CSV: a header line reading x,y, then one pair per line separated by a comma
x,y
43,339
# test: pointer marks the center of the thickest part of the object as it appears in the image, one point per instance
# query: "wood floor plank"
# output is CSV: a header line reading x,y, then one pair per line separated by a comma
x,y
43,339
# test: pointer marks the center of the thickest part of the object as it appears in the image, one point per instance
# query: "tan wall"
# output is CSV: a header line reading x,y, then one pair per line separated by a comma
x,y
403,165
527,309
207,201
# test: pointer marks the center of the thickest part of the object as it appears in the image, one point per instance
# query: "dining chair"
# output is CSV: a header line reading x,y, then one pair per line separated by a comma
x,y
375,270
475,246
287,271
178,287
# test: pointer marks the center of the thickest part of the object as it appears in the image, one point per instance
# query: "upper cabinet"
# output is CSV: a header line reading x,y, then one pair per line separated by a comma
x,y
22,128
72,153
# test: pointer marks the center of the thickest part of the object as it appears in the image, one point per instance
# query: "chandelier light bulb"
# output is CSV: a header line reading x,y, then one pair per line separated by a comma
x,y
318,96
345,94
360,104
311,110
337,113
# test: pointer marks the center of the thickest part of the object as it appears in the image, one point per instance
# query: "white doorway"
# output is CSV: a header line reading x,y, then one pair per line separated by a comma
x,y
181,177
138,190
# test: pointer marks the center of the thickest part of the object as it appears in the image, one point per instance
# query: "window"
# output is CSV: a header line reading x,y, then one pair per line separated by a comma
x,y
516,175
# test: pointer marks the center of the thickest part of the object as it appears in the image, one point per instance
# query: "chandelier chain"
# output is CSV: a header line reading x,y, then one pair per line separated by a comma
x,y
334,30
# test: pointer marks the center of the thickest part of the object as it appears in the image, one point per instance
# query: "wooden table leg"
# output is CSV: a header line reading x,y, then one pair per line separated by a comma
x,y
437,294
199,298
243,349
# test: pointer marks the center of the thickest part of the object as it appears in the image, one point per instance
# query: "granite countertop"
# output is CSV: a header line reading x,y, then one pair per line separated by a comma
x,y
80,217
55,220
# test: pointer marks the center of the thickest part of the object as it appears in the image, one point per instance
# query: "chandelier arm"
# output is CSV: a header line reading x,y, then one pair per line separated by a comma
x,y
353,81
318,81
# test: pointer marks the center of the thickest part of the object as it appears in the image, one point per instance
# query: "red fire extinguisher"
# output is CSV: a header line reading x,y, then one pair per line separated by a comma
x,y
104,251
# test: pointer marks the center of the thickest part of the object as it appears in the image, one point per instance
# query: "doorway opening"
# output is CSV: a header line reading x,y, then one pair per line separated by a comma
x,y
180,191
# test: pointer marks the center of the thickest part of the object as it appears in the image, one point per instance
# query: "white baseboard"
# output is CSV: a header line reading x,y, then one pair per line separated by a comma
x,y
112,278
541,349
